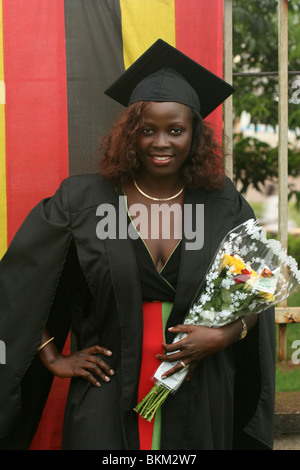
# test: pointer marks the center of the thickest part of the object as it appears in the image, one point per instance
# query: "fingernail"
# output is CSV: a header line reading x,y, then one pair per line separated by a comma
x,y
106,378
171,328
111,372
163,377
108,352
98,384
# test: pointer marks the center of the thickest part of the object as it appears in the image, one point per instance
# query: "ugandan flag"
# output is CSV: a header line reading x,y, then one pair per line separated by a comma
x,y
56,59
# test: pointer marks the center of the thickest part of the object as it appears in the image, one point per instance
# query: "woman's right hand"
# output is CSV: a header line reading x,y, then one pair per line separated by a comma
x,y
84,363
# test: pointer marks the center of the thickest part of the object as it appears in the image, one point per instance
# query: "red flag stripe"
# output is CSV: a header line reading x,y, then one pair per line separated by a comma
x,y
36,139
153,326
199,34
36,103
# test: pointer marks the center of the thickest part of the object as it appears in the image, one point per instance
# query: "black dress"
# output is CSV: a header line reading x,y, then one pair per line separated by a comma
x,y
158,293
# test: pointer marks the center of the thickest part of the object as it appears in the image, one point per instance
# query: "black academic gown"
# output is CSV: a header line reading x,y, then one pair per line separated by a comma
x,y
57,273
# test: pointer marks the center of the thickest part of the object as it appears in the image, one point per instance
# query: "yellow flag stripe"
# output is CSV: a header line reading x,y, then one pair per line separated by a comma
x,y
3,202
143,22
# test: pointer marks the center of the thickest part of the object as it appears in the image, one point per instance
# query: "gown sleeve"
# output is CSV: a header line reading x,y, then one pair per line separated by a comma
x,y
33,296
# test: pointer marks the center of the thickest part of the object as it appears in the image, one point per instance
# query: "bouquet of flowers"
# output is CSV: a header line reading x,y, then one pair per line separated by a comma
x,y
248,274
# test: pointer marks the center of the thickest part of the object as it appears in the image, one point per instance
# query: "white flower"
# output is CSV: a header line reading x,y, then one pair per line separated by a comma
x,y
214,275
227,282
241,295
208,315
205,298
244,251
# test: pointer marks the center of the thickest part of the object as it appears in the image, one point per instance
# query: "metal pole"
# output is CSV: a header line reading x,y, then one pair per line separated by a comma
x,y
282,147
263,74
227,73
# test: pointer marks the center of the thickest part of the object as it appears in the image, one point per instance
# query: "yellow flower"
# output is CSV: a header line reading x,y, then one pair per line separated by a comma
x,y
254,274
235,264
269,297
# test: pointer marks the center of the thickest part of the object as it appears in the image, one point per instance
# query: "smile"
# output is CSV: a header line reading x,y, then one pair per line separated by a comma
x,y
161,159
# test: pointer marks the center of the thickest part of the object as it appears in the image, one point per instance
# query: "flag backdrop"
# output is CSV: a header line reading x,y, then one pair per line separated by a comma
x,y
56,59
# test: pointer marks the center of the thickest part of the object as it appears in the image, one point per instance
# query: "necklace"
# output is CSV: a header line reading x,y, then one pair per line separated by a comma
x,y
157,198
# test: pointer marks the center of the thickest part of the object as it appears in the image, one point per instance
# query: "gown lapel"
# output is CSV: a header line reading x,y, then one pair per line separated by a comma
x,y
128,298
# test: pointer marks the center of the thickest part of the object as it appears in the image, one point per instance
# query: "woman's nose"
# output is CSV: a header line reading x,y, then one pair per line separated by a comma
x,y
161,140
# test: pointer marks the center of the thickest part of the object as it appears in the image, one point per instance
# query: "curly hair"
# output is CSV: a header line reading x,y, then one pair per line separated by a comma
x,y
119,161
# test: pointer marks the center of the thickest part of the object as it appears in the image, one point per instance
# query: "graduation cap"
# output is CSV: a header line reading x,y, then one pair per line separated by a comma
x,y
163,73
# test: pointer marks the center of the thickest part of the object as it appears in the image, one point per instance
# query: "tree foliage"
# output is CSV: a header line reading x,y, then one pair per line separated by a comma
x,y
255,49
257,163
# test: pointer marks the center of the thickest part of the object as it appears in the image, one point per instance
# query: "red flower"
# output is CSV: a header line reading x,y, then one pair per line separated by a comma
x,y
242,278
245,271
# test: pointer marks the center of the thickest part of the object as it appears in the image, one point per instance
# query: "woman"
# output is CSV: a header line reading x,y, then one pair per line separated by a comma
x,y
123,293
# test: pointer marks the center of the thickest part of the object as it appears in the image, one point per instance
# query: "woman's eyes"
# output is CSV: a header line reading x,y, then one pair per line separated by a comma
x,y
147,131
174,131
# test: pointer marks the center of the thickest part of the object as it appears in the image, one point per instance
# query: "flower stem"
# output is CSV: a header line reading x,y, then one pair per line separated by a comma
x,y
151,402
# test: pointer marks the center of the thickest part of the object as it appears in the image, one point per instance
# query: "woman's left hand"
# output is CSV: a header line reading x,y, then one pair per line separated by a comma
x,y
200,342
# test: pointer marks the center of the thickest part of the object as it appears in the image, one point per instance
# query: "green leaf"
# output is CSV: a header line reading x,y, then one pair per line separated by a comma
x,y
216,302
226,297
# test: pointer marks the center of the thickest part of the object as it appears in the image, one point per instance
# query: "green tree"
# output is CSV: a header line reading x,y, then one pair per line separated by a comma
x,y
255,49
